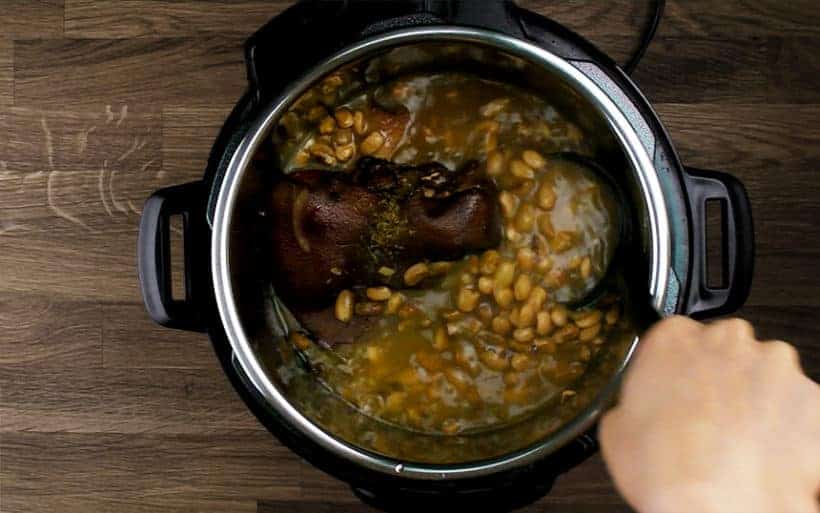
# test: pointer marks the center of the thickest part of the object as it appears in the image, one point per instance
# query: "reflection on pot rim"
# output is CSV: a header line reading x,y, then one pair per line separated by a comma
x,y
640,161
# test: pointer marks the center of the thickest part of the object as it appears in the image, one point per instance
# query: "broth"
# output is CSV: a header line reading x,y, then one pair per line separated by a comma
x,y
485,341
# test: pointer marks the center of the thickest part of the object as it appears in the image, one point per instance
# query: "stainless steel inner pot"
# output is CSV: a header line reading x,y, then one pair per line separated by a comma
x,y
245,301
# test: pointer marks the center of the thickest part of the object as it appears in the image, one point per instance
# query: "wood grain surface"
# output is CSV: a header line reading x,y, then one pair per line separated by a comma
x,y
102,102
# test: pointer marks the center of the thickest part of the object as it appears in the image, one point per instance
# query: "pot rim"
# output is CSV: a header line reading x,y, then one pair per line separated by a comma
x,y
243,352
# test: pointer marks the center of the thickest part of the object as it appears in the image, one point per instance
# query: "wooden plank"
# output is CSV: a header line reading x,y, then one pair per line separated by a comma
x,y
71,191
774,150
792,324
43,332
166,18
31,18
97,400
60,73
131,340
686,18
795,70
6,72
188,134
700,70
71,472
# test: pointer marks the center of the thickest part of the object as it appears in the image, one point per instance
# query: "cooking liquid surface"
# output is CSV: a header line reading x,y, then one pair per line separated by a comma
x,y
470,345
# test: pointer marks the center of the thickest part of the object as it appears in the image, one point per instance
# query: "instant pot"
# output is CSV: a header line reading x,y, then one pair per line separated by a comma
x,y
305,43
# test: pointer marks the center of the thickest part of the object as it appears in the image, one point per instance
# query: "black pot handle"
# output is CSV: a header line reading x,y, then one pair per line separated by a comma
x,y
154,255
738,243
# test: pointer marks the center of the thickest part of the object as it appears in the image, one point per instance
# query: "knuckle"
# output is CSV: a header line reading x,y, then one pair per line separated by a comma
x,y
782,352
676,324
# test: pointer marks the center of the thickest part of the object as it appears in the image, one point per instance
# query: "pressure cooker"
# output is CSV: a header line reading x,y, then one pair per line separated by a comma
x,y
305,43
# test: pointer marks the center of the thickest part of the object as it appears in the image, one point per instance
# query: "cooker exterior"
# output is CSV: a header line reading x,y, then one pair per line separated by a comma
x,y
270,69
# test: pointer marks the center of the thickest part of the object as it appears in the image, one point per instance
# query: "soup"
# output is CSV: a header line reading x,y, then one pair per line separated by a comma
x,y
452,347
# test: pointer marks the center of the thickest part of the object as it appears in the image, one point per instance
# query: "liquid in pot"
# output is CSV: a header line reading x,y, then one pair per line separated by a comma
x,y
469,345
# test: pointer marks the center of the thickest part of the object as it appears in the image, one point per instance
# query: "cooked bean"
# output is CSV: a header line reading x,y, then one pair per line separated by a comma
x,y
562,241
546,197
565,334
559,316
323,152
467,299
344,117
440,339
496,360
512,234
525,218
316,113
486,285
327,125
526,316
489,262
521,362
458,378
533,159
589,333
492,108
503,297
372,143
588,319
378,293
544,345
586,268
407,311
495,163
523,334
525,258
415,273
344,153
452,315
524,188
501,325
514,316
543,323
508,203
612,314
467,279
522,287
543,264
519,169
440,268
394,303
485,312
537,297
374,354
359,123
567,395
545,225
299,340
344,306
367,308
504,275
450,426
472,264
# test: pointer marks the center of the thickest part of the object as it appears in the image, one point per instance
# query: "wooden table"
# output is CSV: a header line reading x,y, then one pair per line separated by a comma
x,y
102,102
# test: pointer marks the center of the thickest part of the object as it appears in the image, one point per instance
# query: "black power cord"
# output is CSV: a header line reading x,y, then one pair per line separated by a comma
x,y
646,38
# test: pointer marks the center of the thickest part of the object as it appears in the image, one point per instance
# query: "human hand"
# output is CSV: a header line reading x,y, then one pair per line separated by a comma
x,y
712,420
